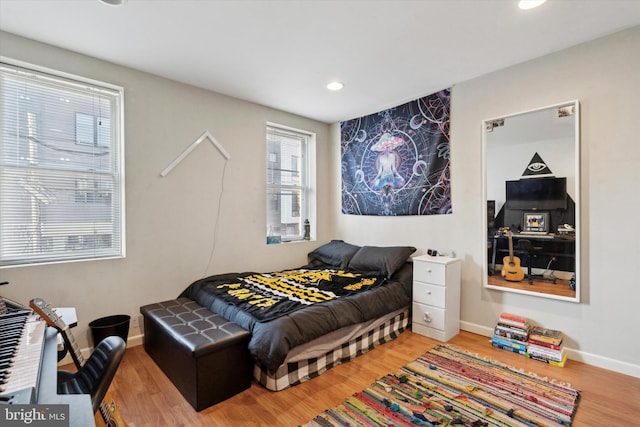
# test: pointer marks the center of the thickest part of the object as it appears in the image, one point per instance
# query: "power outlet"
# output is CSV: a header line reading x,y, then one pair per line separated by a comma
x,y
135,322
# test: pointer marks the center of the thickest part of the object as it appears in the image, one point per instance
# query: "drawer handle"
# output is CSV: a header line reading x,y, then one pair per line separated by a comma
x,y
429,270
427,318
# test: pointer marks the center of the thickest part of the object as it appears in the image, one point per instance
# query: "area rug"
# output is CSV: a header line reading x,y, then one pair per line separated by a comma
x,y
449,386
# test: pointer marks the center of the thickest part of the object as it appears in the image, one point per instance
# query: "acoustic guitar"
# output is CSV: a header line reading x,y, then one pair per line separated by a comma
x,y
511,269
107,414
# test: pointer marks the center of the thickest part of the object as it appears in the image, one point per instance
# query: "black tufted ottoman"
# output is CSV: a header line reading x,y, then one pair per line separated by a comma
x,y
205,356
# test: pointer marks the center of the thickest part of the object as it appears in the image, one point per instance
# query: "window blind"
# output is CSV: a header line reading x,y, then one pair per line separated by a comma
x,y
61,168
287,182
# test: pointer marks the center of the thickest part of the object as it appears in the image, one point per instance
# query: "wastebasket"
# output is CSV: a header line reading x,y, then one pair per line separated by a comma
x,y
108,326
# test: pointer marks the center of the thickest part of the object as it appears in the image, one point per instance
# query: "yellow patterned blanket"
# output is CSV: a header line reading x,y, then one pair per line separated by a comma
x,y
267,296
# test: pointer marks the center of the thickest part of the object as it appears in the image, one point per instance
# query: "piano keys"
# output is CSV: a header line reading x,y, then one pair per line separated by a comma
x,y
28,367
22,342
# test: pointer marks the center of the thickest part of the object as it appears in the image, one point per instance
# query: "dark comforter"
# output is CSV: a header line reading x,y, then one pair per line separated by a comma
x,y
272,340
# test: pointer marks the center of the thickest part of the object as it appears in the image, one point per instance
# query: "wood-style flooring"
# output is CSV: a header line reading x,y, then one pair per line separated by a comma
x,y
560,288
145,396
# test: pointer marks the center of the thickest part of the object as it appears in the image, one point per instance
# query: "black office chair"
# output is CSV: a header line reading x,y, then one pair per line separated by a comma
x,y
531,252
94,377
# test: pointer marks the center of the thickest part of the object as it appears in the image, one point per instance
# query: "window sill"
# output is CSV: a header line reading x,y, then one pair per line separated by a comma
x,y
275,240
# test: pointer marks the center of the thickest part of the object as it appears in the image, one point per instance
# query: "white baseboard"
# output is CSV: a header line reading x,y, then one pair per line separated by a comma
x,y
573,354
135,340
476,329
599,361
604,362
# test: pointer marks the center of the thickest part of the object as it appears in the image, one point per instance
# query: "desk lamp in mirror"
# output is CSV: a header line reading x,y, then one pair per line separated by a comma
x,y
532,193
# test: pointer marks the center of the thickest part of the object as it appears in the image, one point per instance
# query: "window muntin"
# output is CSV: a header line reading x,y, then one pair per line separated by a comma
x,y
61,168
288,182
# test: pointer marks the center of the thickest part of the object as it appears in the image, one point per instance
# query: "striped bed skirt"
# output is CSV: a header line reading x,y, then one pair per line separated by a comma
x,y
293,373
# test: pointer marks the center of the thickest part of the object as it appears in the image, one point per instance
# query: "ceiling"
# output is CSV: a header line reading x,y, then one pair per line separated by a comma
x,y
533,126
282,53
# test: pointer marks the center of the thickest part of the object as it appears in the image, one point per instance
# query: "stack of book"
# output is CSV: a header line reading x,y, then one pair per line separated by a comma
x,y
511,333
547,346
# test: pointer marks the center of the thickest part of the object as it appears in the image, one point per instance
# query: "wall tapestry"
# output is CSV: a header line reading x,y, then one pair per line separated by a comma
x,y
396,162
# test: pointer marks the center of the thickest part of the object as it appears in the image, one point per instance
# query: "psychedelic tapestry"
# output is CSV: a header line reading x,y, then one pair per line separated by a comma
x,y
396,162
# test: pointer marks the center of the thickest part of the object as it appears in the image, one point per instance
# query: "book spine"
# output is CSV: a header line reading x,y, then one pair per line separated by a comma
x,y
511,333
546,335
514,318
542,349
560,363
524,330
523,326
509,348
544,344
508,342
545,339
557,356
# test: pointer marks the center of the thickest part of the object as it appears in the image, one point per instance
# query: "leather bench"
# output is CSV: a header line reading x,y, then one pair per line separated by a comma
x,y
205,356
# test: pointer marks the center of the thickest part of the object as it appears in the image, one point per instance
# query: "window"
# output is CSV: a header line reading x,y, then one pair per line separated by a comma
x,y
61,167
290,180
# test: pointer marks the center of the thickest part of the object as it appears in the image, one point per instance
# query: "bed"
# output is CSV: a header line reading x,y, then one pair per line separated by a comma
x,y
306,320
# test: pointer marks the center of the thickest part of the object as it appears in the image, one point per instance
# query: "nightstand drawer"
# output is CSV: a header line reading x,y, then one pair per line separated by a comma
x,y
429,272
428,315
429,294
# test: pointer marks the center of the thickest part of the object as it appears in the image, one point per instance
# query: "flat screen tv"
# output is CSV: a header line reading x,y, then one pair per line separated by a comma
x,y
541,194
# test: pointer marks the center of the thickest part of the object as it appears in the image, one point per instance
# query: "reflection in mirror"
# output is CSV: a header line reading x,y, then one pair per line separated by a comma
x,y
532,188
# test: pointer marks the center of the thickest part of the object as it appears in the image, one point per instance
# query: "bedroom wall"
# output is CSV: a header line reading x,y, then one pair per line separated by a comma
x,y
506,163
604,75
170,222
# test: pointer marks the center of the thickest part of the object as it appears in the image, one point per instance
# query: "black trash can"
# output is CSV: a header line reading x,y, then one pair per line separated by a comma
x,y
108,326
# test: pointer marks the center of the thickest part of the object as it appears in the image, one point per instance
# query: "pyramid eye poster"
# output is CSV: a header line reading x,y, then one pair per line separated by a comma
x,y
396,162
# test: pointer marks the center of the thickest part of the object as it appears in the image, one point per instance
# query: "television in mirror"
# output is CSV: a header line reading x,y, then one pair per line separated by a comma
x,y
537,193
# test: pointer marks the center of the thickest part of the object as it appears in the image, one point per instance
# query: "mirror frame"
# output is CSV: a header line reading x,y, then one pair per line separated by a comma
x,y
578,228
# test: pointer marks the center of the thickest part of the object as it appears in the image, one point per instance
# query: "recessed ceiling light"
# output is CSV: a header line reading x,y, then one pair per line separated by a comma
x,y
335,86
530,4
113,2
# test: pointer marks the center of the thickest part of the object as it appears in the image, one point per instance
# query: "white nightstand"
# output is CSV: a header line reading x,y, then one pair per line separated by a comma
x,y
436,296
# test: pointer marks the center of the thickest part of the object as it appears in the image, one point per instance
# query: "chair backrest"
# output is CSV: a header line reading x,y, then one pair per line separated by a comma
x,y
525,244
95,376
102,366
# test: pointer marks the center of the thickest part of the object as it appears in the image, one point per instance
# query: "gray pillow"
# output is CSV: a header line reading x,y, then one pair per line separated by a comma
x,y
336,253
380,261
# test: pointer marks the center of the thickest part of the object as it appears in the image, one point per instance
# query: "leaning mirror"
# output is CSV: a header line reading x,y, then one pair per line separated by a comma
x,y
532,193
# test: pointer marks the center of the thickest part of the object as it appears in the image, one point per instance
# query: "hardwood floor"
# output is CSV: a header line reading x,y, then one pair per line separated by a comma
x,y
560,288
145,396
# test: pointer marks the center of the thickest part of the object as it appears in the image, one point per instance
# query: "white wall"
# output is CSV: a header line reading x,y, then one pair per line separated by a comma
x,y
171,221
506,163
605,76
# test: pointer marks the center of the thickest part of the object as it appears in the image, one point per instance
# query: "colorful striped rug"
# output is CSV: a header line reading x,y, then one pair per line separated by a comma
x,y
448,386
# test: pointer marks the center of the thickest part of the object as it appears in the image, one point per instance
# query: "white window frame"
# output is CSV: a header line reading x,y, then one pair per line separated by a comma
x,y
307,187
110,235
